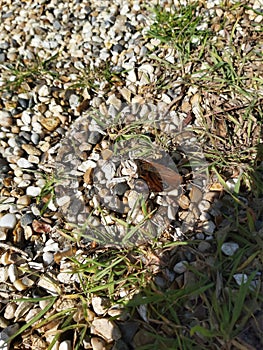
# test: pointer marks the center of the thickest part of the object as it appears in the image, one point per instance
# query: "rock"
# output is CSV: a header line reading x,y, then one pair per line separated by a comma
x,y
50,123
5,119
209,227
65,345
8,221
31,150
240,278
100,305
229,248
105,328
50,285
23,201
180,267
33,191
7,333
24,163
10,311
204,205
204,246
98,343
43,91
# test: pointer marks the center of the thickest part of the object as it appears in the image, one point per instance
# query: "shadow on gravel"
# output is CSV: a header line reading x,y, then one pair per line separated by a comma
x,y
204,293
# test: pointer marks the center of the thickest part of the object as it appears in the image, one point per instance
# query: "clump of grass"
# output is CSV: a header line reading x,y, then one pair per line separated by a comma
x,y
180,27
26,72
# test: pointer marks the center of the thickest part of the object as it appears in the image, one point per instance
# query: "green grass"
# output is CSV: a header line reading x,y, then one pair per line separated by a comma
x,y
14,76
204,308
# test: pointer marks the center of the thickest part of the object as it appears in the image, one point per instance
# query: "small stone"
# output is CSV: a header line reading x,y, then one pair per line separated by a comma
x,y
23,201
8,221
32,313
98,343
106,154
10,311
19,285
49,285
100,305
105,328
240,278
50,123
5,119
3,274
65,345
180,267
31,150
6,334
48,258
204,205
204,246
126,93
209,227
229,248
33,191
24,163
184,202
43,91
35,138
26,219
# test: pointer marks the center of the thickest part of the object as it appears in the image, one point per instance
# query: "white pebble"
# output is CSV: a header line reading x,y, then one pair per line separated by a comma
x,y
240,278
33,191
8,221
24,163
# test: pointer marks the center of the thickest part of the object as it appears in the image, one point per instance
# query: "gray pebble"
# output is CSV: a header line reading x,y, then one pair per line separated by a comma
x,y
27,219
35,138
209,227
204,246
180,267
229,248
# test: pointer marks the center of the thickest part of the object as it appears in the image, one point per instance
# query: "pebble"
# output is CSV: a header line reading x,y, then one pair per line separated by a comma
x,y
33,191
100,305
50,123
229,248
43,91
5,119
204,246
65,345
10,311
204,205
24,163
31,150
180,267
23,201
98,343
8,221
49,284
105,328
240,278
7,333
209,227
3,274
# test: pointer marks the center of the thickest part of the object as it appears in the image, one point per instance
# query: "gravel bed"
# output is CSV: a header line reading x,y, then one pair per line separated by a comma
x,y
82,78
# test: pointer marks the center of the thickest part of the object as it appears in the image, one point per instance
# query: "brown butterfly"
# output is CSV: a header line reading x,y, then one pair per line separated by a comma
x,y
157,176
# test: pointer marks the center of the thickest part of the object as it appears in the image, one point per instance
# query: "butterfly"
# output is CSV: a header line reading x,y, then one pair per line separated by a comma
x,y
157,176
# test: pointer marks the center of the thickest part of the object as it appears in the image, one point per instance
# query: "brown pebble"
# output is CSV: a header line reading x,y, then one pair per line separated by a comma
x,y
50,123
88,176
